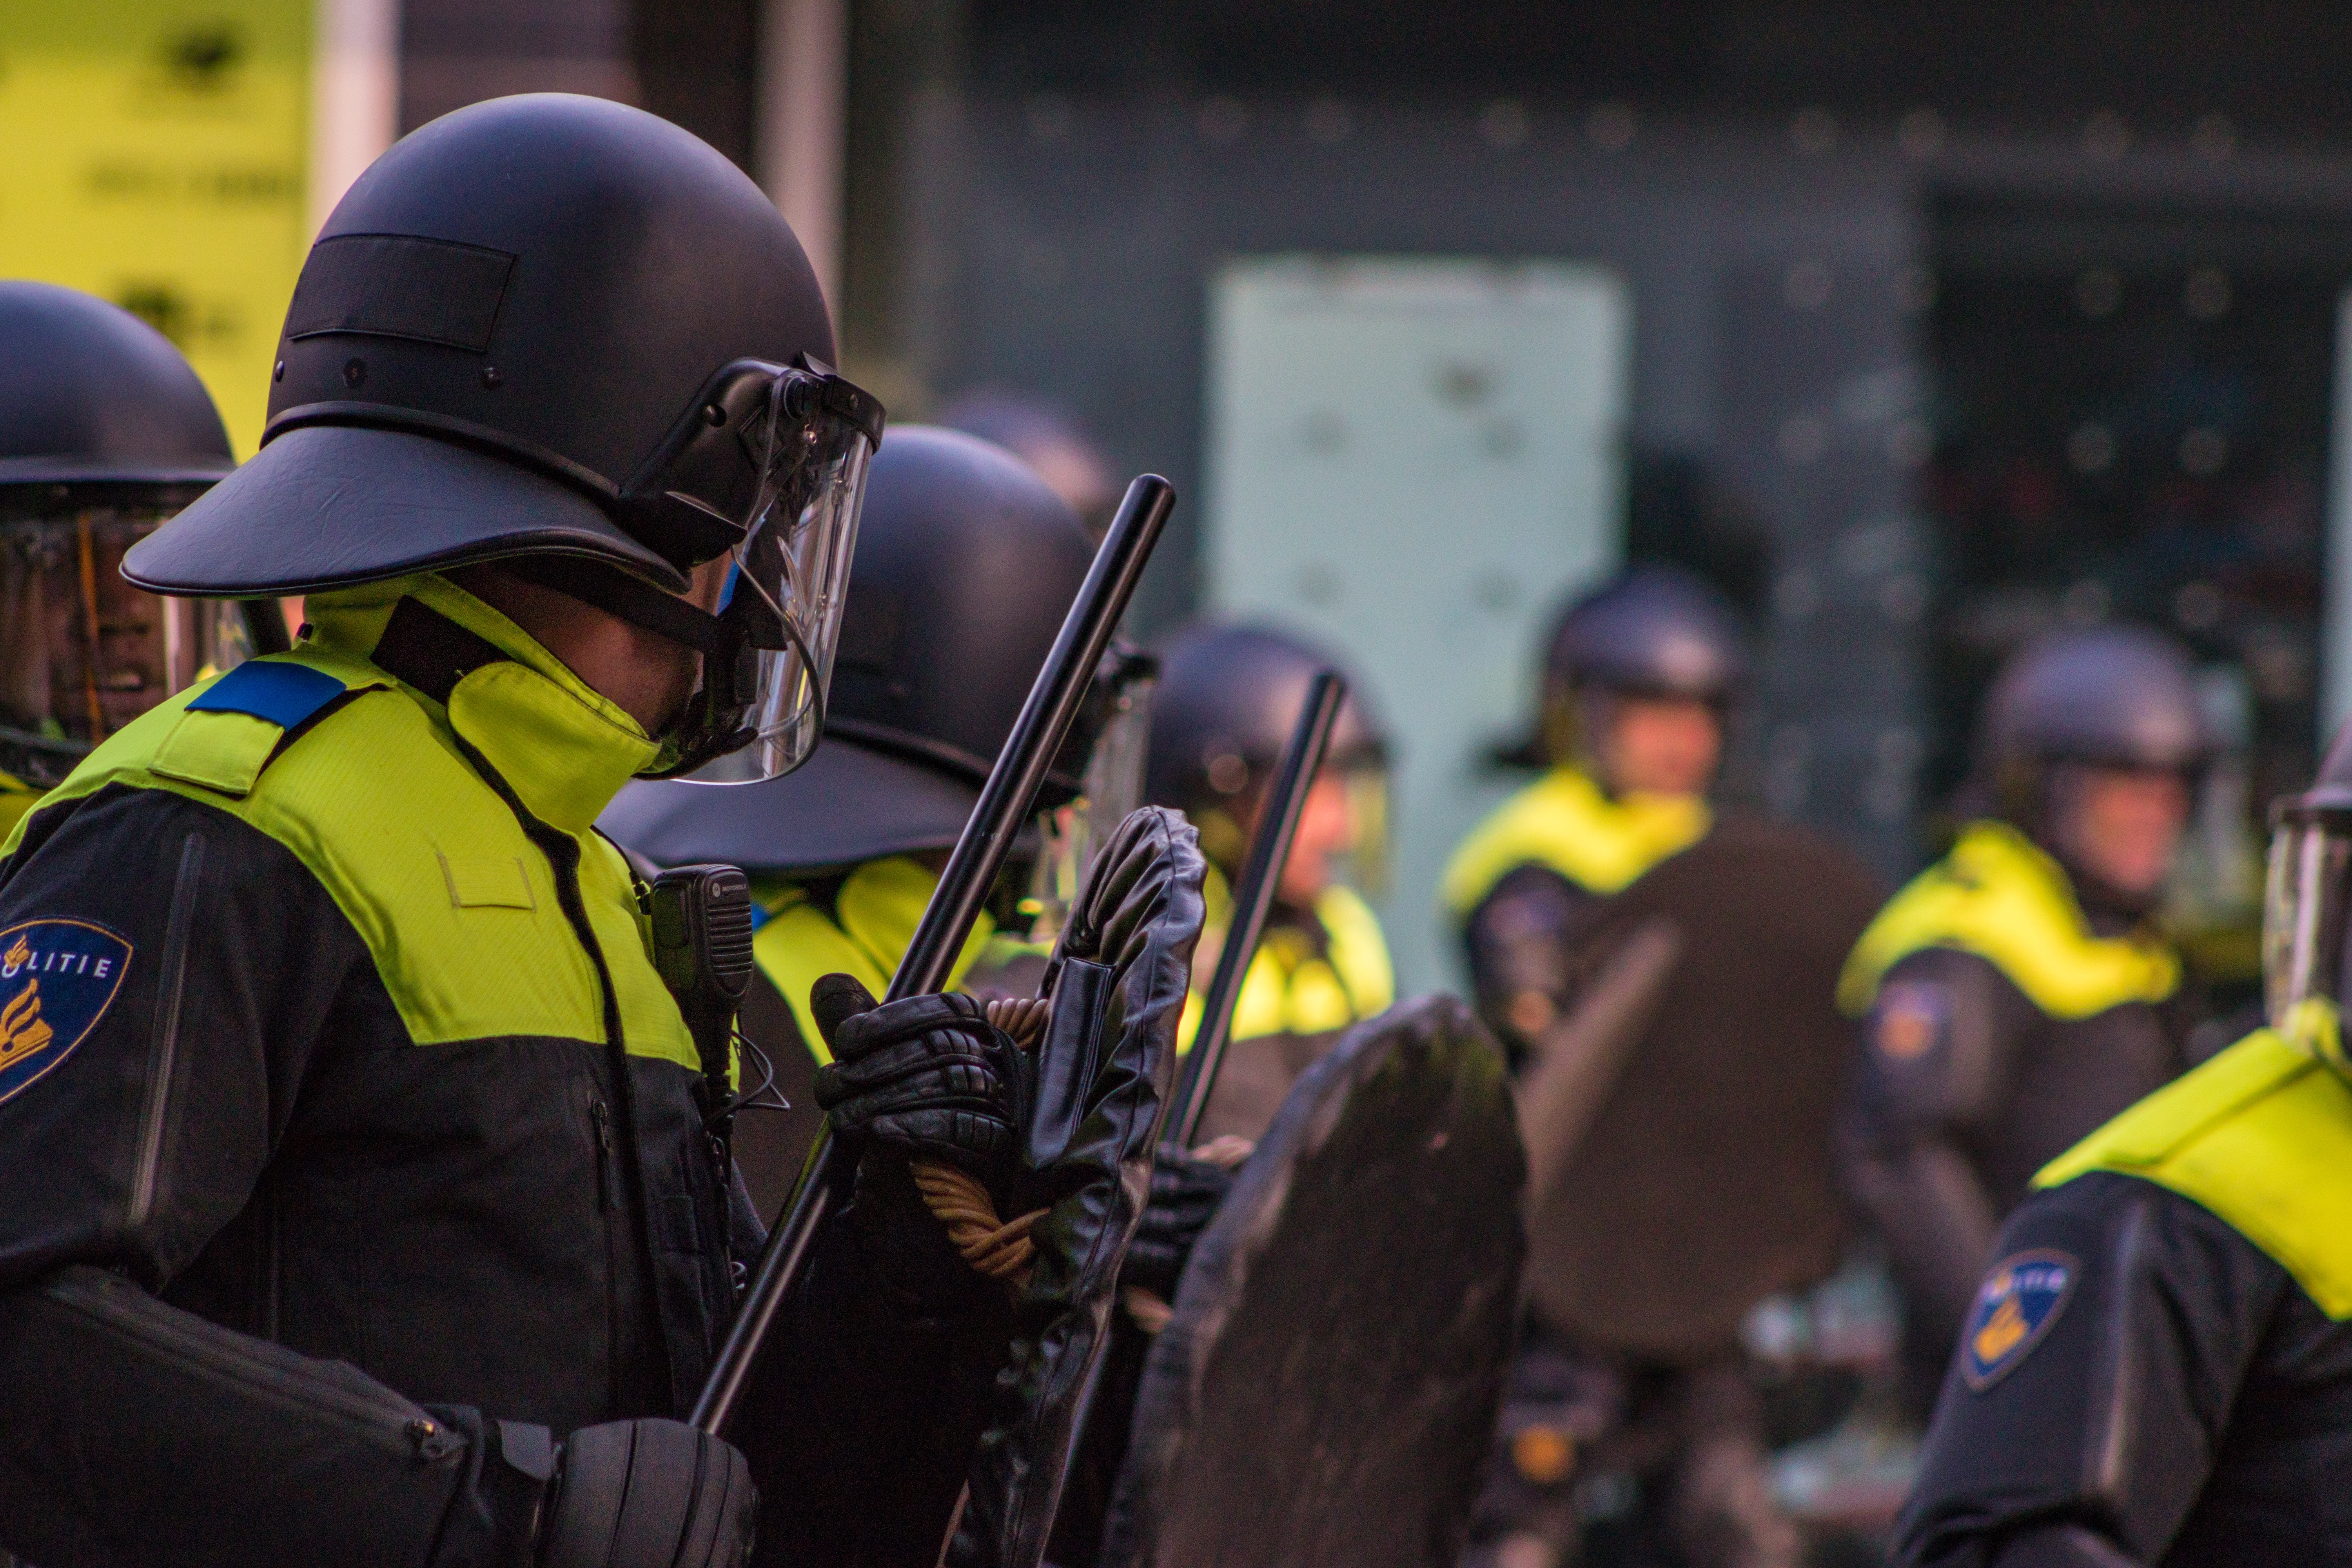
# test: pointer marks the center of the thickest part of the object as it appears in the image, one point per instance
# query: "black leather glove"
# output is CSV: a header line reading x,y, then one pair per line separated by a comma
x,y
927,1075
1119,975
1186,1194
648,1494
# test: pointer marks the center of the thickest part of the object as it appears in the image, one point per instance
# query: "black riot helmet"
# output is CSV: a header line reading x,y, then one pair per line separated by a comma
x,y
2305,928
967,564
561,330
1228,699
105,432
91,394
2112,697
1044,435
1652,631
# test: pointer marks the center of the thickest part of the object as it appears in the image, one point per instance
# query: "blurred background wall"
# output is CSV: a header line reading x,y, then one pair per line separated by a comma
x,y
1918,328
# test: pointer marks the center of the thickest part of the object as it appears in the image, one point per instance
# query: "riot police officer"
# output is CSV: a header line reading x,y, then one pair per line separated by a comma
x,y
1638,676
105,431
1228,698
966,563
358,1201
2017,993
2157,1366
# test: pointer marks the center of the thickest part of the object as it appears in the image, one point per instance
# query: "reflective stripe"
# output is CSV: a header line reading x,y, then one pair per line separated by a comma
x,y
2262,1136
1563,821
17,799
379,802
1997,896
878,906
1290,988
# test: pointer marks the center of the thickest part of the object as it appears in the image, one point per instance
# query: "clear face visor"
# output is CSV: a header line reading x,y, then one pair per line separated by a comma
x,y
1110,787
2303,912
1365,865
812,438
82,652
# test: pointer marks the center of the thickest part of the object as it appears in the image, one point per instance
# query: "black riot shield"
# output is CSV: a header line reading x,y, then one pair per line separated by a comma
x,y
1679,1114
1325,1390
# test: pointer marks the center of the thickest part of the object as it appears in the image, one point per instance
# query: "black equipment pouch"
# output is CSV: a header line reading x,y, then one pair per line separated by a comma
x,y
701,919
702,948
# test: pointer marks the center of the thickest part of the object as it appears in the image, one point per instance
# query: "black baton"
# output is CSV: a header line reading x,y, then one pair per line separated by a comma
x,y
1005,805
1277,825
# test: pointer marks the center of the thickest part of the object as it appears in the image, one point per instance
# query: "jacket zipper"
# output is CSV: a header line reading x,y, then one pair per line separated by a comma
x,y
163,1041
600,1117
387,1418
563,853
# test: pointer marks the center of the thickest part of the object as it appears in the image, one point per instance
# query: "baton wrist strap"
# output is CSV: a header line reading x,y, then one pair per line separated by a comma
x,y
993,1246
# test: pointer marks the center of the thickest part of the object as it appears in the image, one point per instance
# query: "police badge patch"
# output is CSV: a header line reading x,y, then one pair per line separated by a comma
x,y
2014,1307
1912,1016
57,980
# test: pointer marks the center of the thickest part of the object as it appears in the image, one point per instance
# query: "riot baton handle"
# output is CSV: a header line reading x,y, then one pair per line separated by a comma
x,y
1004,803
1277,826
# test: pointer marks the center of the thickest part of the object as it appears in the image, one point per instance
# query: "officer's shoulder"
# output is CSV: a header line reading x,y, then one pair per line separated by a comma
x,y
1502,842
2262,1137
1531,890
1959,970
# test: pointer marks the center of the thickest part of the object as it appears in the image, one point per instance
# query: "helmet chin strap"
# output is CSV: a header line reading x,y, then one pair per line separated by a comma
x,y
618,594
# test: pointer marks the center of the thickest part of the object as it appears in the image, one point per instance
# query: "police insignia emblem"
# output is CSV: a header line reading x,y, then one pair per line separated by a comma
x,y
57,980
2014,1307
1910,1017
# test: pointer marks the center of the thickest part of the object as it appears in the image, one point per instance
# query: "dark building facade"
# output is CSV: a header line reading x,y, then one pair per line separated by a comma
x,y
1951,321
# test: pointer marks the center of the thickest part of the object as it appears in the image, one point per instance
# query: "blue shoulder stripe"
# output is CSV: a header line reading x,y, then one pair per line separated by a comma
x,y
284,694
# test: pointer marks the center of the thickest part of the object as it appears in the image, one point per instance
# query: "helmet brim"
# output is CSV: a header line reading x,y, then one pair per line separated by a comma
x,y
73,469
845,805
327,506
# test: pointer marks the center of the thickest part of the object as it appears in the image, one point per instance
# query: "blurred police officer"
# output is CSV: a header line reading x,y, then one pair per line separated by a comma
x,y
2157,1365
359,1202
966,565
1638,677
1228,698
104,432
2018,993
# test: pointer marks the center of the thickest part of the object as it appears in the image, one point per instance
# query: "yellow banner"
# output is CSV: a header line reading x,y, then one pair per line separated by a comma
x,y
156,155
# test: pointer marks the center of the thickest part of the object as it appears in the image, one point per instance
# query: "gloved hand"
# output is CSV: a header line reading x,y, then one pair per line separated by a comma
x,y
648,1494
927,1075
1185,1195
1120,974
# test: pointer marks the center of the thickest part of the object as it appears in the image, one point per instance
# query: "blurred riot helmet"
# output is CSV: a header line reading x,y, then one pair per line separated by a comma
x,y
2080,712
559,333
1044,436
1228,700
967,564
2304,925
1652,633
105,432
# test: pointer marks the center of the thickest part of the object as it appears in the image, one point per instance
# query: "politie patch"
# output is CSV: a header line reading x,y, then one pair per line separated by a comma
x,y
57,980
2015,1307
1912,1016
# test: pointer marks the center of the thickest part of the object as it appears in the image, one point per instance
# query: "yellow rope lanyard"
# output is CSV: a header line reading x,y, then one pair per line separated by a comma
x,y
999,1247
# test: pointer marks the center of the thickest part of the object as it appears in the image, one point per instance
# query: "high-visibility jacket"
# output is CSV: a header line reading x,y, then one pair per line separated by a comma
x,y
348,1136
2158,1367
2000,1022
1520,884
